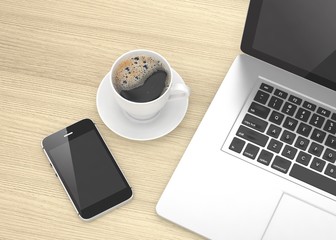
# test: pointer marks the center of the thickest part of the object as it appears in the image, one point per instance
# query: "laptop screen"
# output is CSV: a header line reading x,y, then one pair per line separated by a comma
x,y
296,35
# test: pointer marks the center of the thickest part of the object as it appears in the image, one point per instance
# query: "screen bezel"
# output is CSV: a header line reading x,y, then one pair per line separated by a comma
x,y
78,129
247,47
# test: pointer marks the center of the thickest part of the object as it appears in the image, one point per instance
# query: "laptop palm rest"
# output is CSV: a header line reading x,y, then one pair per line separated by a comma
x,y
296,219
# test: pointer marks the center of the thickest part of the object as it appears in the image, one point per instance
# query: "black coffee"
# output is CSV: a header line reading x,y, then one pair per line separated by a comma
x,y
151,89
140,79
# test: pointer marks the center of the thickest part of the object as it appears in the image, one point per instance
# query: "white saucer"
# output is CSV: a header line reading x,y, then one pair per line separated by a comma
x,y
115,119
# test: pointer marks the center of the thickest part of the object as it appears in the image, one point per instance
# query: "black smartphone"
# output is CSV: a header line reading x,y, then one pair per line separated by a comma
x,y
86,169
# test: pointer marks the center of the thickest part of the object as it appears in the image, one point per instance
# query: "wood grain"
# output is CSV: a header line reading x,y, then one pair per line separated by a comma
x,y
53,55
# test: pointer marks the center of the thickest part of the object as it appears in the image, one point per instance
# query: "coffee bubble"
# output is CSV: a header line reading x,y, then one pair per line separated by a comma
x,y
133,72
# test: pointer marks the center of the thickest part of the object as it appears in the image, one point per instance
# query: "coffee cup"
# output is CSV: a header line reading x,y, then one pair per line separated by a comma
x,y
142,83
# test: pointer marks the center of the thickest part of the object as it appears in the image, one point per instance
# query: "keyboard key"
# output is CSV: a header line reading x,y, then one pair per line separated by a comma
x,y
274,146
287,137
261,97
323,112
289,152
289,109
276,117
329,155
313,178
237,145
302,143
281,164
317,120
303,158
330,127
331,170
251,151
273,131
290,123
309,106
255,123
315,149
252,136
303,115
265,157
275,103
333,116
331,141
280,93
318,135
259,110
304,129
317,164
295,99
266,88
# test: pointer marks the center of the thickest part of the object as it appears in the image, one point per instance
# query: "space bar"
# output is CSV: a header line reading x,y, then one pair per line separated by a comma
x,y
317,180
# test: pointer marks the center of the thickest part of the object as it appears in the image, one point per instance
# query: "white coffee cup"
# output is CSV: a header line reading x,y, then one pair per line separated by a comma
x,y
144,111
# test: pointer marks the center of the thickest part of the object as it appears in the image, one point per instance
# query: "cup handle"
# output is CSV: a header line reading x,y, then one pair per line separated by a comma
x,y
179,90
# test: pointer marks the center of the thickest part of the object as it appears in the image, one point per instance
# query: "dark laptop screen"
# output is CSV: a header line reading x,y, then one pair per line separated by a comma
x,y
297,35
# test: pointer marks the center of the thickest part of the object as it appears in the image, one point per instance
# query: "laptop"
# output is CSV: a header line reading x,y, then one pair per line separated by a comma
x,y
261,164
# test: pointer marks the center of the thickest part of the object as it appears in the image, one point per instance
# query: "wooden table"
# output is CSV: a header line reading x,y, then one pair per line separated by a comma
x,y
53,56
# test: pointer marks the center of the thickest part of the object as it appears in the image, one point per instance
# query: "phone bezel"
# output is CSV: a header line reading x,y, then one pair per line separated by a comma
x,y
77,129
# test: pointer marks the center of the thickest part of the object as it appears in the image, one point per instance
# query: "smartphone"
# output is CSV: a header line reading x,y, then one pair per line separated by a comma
x,y
87,169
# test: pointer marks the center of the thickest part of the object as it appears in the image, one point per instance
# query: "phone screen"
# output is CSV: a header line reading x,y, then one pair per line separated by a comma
x,y
86,167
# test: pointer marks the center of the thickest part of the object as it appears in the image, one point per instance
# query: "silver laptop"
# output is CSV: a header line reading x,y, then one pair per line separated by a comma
x,y
261,165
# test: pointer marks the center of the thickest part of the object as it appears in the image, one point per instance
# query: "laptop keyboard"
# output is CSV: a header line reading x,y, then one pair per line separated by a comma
x,y
289,134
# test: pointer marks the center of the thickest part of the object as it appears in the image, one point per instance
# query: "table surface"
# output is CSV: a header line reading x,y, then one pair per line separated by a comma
x,y
53,56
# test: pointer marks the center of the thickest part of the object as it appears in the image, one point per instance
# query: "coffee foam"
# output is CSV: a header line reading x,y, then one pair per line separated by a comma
x,y
133,72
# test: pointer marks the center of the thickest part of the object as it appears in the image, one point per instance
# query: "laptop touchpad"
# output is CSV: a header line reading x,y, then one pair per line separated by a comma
x,y
296,219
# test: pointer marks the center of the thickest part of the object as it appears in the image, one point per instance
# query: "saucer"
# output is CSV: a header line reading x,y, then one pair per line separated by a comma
x,y
115,119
